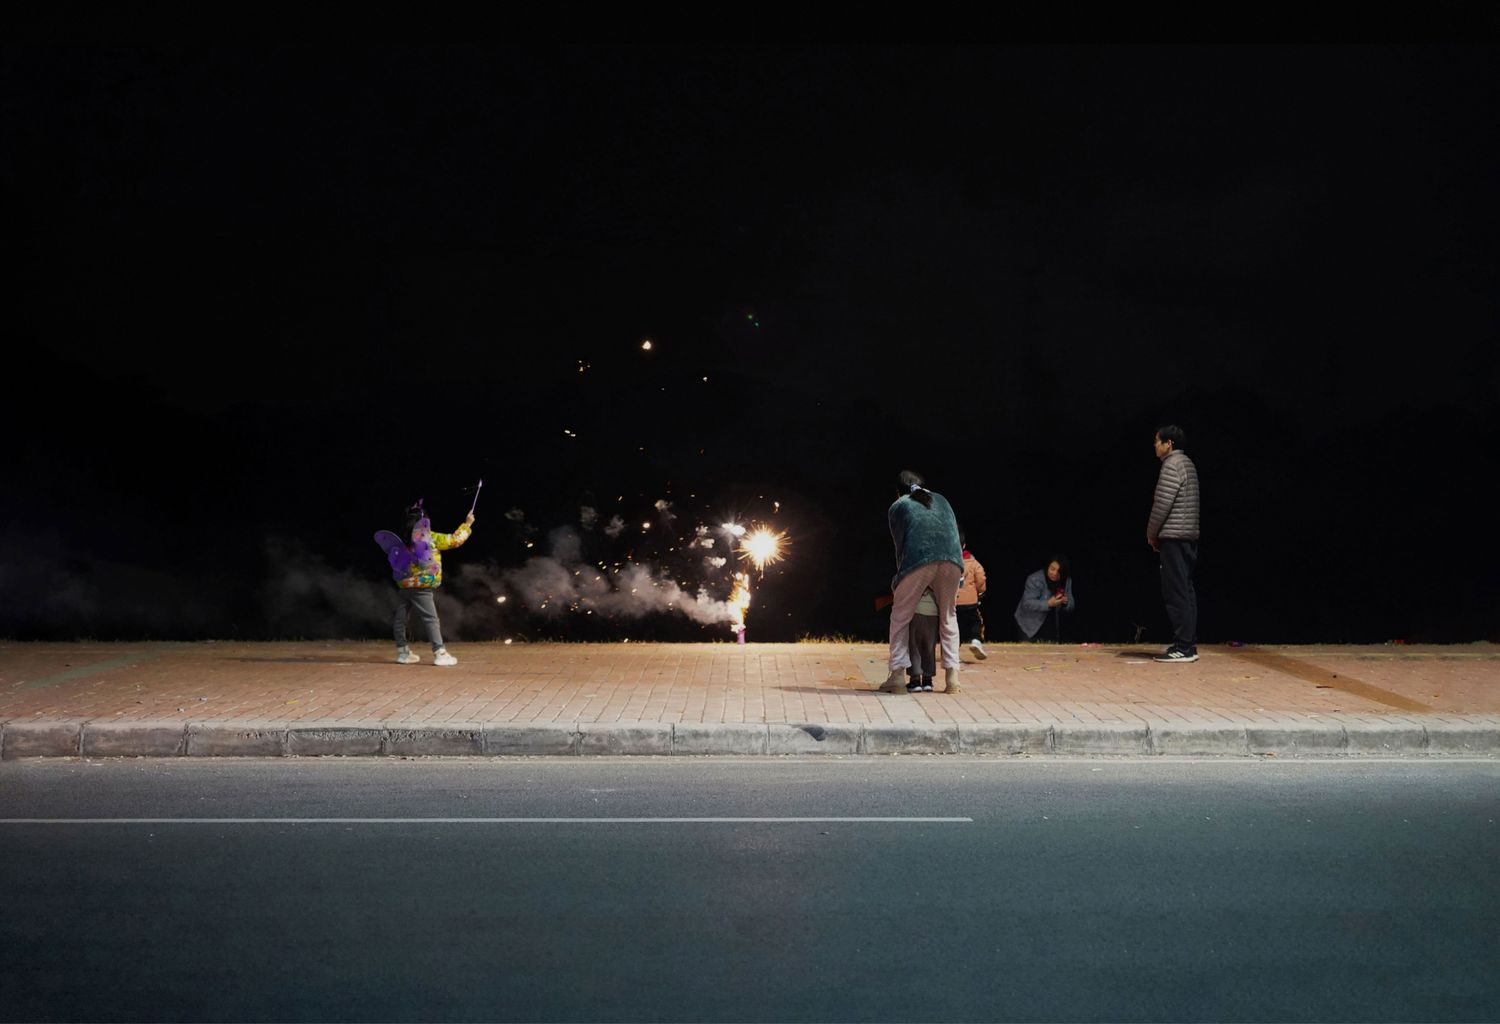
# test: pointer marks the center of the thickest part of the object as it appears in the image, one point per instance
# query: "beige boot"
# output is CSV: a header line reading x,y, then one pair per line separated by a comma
x,y
950,677
896,683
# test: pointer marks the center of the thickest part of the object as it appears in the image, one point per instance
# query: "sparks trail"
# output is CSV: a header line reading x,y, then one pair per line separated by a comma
x,y
632,586
762,547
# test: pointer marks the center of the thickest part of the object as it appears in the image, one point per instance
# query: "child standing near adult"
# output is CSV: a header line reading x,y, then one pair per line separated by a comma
x,y
924,531
924,638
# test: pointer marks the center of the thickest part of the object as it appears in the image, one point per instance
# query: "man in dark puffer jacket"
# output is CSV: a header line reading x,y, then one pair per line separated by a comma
x,y
1172,530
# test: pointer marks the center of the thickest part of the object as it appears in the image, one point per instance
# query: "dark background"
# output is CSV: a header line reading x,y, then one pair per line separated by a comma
x,y
262,298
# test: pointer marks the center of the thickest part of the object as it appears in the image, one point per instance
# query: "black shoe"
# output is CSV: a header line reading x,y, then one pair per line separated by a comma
x,y
915,686
926,684
1177,655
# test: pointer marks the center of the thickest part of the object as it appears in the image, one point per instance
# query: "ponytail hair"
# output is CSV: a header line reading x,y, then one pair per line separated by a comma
x,y
909,483
414,514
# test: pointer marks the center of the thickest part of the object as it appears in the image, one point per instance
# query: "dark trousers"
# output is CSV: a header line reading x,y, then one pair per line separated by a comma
x,y
924,638
1050,631
1178,557
970,623
424,605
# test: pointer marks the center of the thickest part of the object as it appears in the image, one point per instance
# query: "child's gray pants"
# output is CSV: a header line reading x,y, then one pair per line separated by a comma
x,y
424,605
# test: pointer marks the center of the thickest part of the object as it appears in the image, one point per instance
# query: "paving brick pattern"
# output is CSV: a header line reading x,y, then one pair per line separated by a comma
x,y
357,683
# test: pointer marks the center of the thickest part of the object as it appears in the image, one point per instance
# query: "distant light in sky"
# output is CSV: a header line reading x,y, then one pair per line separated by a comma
x,y
646,345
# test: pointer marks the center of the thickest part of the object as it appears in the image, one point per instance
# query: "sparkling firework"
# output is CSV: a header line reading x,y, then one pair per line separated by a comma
x,y
739,604
761,547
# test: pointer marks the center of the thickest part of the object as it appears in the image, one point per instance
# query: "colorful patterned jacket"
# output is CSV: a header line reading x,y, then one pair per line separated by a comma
x,y
429,576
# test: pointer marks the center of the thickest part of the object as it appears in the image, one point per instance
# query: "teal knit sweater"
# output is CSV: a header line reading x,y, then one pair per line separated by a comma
x,y
923,535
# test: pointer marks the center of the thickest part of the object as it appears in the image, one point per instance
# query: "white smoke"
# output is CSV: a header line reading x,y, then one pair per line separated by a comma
x,y
303,596
562,582
306,597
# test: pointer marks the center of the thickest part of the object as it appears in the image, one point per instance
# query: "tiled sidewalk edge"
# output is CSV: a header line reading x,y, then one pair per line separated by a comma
x,y
1451,736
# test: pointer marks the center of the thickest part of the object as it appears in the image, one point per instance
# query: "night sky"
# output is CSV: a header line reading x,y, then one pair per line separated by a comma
x,y
262,299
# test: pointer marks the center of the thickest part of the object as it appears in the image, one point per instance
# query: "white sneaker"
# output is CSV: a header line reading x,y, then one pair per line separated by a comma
x,y
407,658
978,649
442,657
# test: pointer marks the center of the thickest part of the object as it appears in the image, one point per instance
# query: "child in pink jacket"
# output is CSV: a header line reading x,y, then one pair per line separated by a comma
x,y
970,620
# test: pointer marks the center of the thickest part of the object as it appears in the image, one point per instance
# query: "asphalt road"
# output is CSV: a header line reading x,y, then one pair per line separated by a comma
x,y
1031,890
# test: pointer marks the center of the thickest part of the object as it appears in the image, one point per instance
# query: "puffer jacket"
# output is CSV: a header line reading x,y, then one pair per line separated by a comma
x,y
973,588
430,576
1174,509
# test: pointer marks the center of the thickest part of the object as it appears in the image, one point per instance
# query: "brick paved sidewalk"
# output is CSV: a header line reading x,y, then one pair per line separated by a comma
x,y
668,698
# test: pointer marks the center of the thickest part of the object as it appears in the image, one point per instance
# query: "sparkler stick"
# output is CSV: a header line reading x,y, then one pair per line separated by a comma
x,y
476,496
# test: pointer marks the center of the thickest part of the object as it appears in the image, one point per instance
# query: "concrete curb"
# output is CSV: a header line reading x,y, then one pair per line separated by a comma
x,y
1477,736
1463,739
1111,738
1199,739
532,739
134,739
719,738
1000,738
910,739
243,739
625,738
1297,739
48,738
803,738
335,740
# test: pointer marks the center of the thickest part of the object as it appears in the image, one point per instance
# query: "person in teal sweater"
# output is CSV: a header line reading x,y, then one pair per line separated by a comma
x,y
928,554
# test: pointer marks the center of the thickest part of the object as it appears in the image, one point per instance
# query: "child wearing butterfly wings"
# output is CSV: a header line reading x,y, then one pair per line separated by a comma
x,y
418,570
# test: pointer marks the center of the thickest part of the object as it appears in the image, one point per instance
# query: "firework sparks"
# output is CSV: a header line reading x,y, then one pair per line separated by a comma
x,y
739,604
761,547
